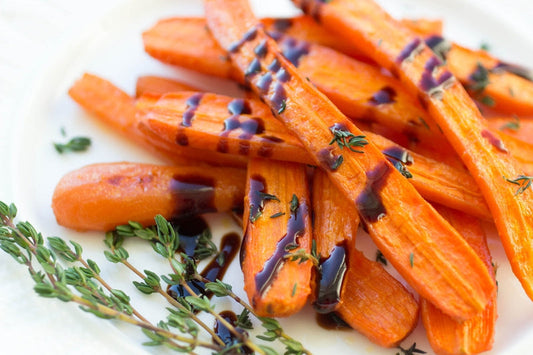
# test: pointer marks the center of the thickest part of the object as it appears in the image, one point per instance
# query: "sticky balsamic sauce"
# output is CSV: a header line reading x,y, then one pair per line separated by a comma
x,y
295,227
331,274
248,36
283,75
257,186
386,95
433,41
264,82
261,49
409,50
399,154
253,68
215,270
514,69
327,159
250,127
369,202
331,321
294,49
282,24
192,104
428,82
192,194
228,337
189,230
399,158
274,66
496,142
278,97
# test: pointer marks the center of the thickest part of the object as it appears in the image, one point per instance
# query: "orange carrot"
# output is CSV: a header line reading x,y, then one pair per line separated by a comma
x,y
159,85
359,290
492,81
520,128
117,110
475,335
435,180
103,196
223,124
359,90
277,222
385,200
372,30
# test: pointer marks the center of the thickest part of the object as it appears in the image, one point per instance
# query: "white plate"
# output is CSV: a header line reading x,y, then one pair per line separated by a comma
x,y
56,42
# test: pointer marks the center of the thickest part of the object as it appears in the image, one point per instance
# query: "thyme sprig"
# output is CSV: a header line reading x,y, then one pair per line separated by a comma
x,y
523,181
80,282
76,144
345,138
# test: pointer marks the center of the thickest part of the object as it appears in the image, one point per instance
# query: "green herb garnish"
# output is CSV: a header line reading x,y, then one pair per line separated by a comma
x,y
479,78
410,351
76,144
523,181
512,125
345,138
80,282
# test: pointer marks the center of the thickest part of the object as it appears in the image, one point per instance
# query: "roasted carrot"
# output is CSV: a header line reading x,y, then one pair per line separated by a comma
x,y
520,128
372,30
216,125
103,196
504,87
277,223
386,201
472,336
359,90
116,109
359,290
159,85
222,124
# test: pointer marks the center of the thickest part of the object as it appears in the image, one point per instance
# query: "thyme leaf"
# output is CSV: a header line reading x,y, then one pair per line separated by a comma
x,y
523,181
345,138
76,144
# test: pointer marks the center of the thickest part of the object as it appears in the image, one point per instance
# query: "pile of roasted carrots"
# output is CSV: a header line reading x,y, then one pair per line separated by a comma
x,y
350,118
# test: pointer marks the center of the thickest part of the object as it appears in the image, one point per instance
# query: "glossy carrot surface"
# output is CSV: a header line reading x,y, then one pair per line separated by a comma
x,y
384,198
394,47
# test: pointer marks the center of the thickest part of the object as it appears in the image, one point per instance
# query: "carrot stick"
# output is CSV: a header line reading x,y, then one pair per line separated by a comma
x,y
222,124
385,200
103,196
492,81
277,222
117,110
520,128
359,90
394,47
472,336
341,78
359,290
159,85
435,180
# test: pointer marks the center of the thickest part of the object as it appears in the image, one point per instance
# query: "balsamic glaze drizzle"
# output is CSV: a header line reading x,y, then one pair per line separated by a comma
x,y
386,95
331,271
369,202
410,50
192,104
192,194
248,36
399,158
215,270
295,227
496,142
